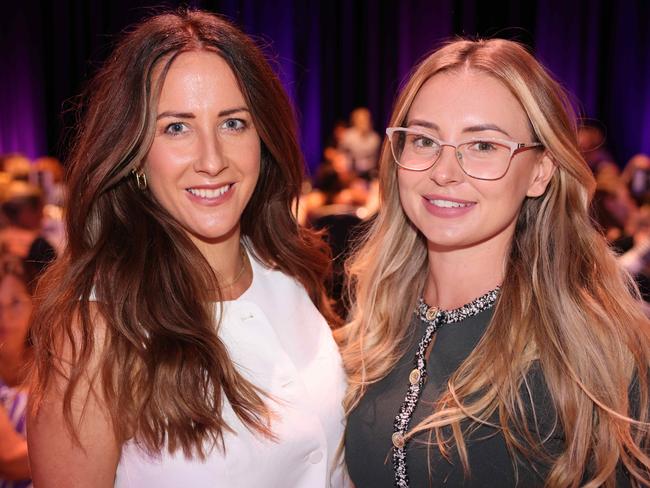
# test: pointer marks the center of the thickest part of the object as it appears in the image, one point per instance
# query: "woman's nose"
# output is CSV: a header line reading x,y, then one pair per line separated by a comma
x,y
210,159
447,169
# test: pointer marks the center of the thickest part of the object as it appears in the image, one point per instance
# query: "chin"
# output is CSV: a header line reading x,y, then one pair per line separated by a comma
x,y
450,243
446,239
213,234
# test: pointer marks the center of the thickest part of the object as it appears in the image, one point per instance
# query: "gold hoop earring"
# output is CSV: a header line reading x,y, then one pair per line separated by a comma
x,y
140,179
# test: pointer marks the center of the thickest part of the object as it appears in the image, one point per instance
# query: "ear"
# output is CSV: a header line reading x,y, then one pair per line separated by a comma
x,y
541,176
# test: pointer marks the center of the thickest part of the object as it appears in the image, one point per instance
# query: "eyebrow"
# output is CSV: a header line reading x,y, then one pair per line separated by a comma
x,y
483,127
473,128
190,115
176,115
423,123
231,111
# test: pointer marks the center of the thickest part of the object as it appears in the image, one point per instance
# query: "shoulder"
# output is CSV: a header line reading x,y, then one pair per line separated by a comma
x,y
277,314
285,303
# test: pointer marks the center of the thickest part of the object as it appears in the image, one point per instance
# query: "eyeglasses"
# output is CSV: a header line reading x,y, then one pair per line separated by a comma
x,y
483,159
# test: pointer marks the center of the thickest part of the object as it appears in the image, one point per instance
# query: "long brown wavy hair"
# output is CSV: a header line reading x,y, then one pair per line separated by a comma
x,y
163,370
565,305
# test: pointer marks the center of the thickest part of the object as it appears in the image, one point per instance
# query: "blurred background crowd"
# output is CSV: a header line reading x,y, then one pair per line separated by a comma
x,y
31,236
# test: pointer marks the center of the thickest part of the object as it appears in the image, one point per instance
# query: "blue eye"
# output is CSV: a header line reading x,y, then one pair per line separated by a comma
x,y
175,128
235,125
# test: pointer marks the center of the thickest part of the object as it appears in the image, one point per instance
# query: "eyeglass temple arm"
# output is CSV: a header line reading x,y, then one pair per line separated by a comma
x,y
522,146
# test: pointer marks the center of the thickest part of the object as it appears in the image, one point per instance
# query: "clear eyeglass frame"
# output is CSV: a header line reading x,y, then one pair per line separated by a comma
x,y
515,148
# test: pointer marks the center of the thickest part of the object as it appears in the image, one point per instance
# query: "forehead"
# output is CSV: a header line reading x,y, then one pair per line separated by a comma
x,y
199,78
457,99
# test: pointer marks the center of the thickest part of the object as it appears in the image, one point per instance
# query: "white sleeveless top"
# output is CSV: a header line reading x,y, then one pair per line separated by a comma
x,y
280,342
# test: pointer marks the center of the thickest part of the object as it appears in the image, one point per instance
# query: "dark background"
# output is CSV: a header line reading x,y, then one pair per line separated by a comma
x,y
333,56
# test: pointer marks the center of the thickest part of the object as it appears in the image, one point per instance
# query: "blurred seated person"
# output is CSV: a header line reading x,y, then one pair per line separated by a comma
x,y
335,139
591,143
635,250
636,176
23,211
5,181
15,310
23,235
334,150
337,189
612,207
361,142
47,173
53,228
18,166
336,205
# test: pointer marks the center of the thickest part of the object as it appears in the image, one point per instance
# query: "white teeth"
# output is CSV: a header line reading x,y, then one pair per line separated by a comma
x,y
209,193
448,204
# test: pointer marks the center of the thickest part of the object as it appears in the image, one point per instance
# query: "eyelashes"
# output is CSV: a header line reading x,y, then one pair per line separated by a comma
x,y
236,125
229,125
176,128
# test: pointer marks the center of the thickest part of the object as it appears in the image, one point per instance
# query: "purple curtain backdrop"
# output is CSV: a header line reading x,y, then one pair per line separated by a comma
x,y
22,109
601,53
333,56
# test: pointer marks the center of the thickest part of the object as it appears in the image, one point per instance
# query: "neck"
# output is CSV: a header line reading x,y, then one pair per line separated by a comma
x,y
223,254
458,276
225,257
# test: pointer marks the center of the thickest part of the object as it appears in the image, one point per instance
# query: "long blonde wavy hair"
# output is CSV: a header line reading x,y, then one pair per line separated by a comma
x,y
565,303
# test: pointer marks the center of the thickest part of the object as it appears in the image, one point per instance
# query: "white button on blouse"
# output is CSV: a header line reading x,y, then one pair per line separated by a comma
x,y
316,457
279,341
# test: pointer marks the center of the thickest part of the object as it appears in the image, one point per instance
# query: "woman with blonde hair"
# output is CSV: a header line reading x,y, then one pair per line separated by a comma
x,y
494,339
181,339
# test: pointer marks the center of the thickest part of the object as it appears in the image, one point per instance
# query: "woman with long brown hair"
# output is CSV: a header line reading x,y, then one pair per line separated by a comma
x,y
180,339
494,339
